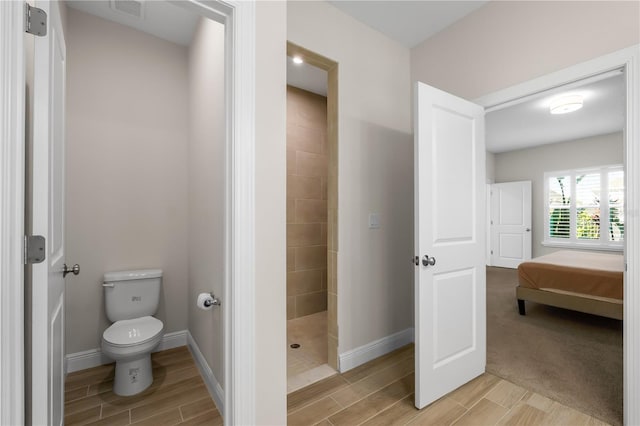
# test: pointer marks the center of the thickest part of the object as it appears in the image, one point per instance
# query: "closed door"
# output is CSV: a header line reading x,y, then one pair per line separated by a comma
x,y
510,223
450,320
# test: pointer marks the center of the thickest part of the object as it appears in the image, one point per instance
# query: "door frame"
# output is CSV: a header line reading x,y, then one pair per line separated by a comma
x,y
239,318
331,67
12,167
629,59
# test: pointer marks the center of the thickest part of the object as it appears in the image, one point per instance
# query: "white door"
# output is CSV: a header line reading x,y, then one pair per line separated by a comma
x,y
48,221
450,320
510,223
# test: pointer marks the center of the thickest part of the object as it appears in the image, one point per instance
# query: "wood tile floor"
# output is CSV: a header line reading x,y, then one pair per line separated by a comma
x,y
178,396
377,393
381,393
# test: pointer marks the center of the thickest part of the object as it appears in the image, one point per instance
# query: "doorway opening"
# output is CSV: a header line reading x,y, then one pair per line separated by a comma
x,y
312,217
575,152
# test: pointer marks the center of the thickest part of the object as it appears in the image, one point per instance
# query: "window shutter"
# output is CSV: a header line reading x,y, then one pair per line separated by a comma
x,y
587,217
616,206
559,206
585,208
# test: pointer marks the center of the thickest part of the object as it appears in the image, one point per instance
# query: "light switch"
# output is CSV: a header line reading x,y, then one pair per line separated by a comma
x,y
374,220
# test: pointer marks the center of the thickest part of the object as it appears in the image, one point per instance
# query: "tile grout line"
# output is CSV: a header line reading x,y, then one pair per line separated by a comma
x,y
313,402
461,415
504,415
380,371
331,395
484,395
339,405
387,408
377,390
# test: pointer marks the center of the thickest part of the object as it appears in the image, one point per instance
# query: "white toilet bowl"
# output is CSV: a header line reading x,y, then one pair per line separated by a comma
x,y
130,343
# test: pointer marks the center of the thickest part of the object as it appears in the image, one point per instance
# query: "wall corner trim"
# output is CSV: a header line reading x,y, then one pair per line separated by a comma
x,y
94,357
365,353
215,390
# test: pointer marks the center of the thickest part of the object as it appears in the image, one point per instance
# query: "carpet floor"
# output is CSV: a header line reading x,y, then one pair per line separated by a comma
x,y
568,356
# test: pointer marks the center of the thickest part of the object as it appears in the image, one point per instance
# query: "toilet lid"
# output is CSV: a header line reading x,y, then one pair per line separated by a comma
x,y
133,331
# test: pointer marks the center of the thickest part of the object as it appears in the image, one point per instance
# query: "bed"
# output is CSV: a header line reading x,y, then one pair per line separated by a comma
x,y
581,281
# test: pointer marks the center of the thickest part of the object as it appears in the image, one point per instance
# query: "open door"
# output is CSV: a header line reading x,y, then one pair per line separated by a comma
x,y
510,223
48,221
450,281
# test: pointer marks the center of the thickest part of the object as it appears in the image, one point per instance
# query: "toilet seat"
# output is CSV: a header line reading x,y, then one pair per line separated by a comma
x,y
133,332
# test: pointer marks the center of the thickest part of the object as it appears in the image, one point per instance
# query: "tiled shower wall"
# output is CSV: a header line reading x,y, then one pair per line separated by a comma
x,y
306,203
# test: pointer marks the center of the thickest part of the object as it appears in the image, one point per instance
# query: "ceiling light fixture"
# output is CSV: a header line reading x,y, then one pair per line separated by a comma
x,y
565,103
297,60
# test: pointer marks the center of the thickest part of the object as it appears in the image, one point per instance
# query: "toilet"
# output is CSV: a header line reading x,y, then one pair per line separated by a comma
x,y
131,298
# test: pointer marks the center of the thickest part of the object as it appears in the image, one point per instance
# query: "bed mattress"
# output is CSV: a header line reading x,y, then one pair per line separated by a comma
x,y
588,273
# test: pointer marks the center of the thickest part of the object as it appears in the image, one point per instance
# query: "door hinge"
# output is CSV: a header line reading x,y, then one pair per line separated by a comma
x,y
34,249
35,21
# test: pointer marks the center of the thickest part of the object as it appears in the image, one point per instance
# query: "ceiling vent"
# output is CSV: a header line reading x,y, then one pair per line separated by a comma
x,y
132,8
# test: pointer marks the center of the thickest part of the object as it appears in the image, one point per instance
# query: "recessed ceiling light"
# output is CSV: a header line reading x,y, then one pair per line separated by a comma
x,y
565,103
297,60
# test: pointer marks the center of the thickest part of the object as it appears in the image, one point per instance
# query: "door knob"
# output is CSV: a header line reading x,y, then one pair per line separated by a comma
x,y
75,270
528,230
428,261
416,260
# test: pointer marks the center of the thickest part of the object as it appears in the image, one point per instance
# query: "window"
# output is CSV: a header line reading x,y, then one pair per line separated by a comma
x,y
585,208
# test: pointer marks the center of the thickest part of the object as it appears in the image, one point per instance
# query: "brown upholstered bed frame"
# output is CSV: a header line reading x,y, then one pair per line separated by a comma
x,y
581,281
568,301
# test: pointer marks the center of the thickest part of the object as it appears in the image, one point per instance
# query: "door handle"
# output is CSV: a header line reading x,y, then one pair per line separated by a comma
x,y
528,230
75,270
416,260
428,261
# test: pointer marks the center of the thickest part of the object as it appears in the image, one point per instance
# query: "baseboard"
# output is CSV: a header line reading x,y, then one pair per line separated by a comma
x,y
215,390
94,357
365,353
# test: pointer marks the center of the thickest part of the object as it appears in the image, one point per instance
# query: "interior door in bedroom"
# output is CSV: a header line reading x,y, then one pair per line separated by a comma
x,y
450,309
510,223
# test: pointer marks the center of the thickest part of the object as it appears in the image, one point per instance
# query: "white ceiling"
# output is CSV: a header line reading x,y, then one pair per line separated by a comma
x,y
307,77
408,22
161,19
530,124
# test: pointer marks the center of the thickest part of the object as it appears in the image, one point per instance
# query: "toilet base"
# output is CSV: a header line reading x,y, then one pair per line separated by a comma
x,y
133,375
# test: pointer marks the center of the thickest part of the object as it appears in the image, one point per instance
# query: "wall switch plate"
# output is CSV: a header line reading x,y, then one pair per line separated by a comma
x,y
374,220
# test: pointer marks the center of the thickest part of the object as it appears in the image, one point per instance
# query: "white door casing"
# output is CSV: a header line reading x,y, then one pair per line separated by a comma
x,y
12,176
450,320
510,223
48,221
629,59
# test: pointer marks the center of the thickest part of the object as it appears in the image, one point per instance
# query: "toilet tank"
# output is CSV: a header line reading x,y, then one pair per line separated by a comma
x,y
131,294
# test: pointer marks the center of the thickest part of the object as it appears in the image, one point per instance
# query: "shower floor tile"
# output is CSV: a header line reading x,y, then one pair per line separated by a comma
x,y
303,363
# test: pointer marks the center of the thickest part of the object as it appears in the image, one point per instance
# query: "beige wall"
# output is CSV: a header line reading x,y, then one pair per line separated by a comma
x,y
508,42
126,159
307,173
375,170
270,211
206,188
531,164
